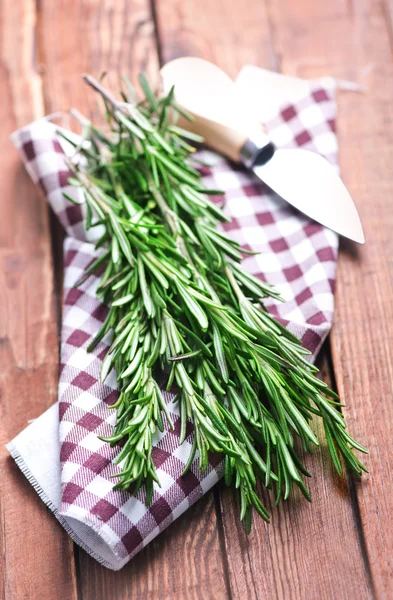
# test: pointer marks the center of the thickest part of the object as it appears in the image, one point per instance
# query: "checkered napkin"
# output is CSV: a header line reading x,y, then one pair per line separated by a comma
x,y
60,452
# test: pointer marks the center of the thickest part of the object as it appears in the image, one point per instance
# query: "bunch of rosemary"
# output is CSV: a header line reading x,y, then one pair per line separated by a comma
x,y
181,305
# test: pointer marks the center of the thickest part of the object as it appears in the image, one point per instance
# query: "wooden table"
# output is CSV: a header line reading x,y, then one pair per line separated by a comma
x,y
340,547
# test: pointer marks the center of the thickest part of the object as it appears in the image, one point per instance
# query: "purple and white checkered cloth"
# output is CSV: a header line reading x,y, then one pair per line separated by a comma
x,y
296,255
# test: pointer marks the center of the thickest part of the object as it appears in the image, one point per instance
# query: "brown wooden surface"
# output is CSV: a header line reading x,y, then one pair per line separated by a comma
x,y
341,546
36,556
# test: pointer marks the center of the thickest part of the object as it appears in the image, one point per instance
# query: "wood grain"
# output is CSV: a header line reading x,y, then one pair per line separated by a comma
x,y
228,33
119,37
361,339
30,542
93,36
184,562
307,549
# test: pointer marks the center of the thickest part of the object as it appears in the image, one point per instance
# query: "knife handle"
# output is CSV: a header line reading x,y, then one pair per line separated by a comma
x,y
233,142
210,96
217,136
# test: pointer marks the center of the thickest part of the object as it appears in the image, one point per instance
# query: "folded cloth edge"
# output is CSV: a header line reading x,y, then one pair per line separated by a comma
x,y
49,421
33,452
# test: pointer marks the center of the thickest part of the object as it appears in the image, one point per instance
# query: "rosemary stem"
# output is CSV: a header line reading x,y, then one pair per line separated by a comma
x,y
95,84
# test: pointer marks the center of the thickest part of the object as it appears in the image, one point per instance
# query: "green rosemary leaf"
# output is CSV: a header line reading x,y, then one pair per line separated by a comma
x,y
185,356
128,124
130,90
71,199
193,306
172,167
122,239
191,457
147,301
134,364
144,83
155,272
106,367
182,112
186,134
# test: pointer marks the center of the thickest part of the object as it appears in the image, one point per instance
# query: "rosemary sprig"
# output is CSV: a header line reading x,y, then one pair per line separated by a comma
x,y
181,305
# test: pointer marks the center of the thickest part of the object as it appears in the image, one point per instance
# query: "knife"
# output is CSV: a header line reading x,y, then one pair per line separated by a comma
x,y
304,179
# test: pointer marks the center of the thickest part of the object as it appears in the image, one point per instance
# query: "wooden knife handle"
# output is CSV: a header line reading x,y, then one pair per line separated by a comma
x,y
210,96
235,144
222,138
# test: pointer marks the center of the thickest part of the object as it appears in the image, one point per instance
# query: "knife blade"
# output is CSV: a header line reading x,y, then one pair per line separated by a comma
x,y
322,195
304,179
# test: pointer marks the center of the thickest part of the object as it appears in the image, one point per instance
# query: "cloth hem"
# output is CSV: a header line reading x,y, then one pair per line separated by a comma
x,y
71,532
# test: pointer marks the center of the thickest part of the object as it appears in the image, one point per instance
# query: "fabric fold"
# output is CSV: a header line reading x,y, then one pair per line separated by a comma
x,y
60,453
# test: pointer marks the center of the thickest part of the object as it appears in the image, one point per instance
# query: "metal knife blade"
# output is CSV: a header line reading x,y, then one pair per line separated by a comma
x,y
308,182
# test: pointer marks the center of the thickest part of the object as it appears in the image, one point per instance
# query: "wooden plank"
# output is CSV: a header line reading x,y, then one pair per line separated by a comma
x,y
308,551
361,340
94,36
185,562
118,37
227,33
31,541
